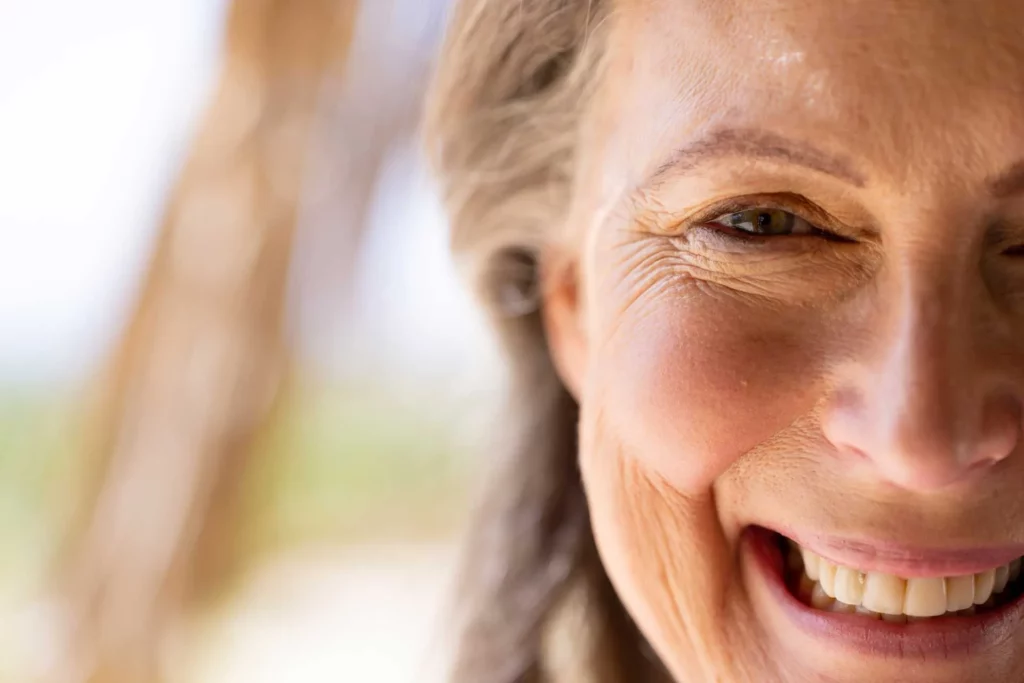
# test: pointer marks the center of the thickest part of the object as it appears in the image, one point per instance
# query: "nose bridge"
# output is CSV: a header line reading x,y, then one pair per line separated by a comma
x,y
925,396
923,415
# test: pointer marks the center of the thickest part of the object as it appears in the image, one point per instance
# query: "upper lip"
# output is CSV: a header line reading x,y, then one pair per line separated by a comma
x,y
905,560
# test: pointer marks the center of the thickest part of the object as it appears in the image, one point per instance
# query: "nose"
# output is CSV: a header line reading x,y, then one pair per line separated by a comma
x,y
926,408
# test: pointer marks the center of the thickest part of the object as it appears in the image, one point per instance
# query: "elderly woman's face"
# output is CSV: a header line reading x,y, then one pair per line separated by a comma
x,y
800,324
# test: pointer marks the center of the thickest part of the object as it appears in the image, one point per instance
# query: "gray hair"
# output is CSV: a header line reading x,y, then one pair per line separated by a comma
x,y
503,126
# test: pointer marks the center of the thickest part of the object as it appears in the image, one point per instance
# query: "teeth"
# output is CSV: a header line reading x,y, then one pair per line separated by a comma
x,y
868,613
849,585
1002,577
925,597
983,585
883,593
959,593
820,599
811,564
843,608
836,588
827,577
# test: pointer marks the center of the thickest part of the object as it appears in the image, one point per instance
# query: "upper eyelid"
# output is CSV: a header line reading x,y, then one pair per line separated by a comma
x,y
797,205
651,214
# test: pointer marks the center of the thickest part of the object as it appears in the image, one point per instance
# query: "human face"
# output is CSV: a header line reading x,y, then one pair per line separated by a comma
x,y
799,314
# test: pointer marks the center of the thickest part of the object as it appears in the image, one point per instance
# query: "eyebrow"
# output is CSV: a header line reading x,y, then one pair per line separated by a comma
x,y
757,144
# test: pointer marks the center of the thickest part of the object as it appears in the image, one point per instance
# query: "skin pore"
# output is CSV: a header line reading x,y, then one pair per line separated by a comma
x,y
858,372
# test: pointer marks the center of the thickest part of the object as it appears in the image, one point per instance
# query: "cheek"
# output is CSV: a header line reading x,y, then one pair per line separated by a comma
x,y
678,390
695,382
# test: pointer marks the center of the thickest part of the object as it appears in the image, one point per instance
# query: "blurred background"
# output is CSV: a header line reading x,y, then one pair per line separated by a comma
x,y
240,385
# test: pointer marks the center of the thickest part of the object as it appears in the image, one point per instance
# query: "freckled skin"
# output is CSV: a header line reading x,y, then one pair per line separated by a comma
x,y
869,387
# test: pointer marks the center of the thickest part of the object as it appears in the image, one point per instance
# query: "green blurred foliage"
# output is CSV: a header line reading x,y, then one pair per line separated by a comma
x,y
335,466
37,437
355,465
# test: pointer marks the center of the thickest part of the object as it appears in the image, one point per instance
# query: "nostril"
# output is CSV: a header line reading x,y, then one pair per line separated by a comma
x,y
1000,432
922,445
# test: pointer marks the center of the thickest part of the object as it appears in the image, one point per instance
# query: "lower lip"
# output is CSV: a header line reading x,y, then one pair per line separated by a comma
x,y
940,638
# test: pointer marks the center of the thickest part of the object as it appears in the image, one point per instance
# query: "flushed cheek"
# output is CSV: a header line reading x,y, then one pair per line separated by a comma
x,y
690,384
670,561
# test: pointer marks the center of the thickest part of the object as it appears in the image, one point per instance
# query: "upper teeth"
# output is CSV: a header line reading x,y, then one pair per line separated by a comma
x,y
839,588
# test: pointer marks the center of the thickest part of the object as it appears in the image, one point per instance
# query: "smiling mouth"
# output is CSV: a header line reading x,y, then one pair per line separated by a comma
x,y
826,586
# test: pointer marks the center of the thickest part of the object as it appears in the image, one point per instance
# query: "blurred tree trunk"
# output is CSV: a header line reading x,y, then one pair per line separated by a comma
x,y
203,357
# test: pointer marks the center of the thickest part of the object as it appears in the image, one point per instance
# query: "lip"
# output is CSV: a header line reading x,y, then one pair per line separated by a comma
x,y
905,561
938,639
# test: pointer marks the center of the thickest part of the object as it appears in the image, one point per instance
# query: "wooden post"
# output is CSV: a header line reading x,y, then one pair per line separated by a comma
x,y
203,357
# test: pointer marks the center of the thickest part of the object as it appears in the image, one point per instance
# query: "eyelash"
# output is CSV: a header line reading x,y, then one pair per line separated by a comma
x,y
797,205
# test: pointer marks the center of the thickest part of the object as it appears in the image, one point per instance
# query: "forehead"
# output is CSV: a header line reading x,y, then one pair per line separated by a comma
x,y
901,87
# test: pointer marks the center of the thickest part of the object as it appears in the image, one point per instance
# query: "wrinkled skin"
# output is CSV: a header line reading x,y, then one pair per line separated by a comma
x,y
865,384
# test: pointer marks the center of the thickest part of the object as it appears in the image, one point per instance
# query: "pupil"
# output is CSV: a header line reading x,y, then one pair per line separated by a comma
x,y
764,220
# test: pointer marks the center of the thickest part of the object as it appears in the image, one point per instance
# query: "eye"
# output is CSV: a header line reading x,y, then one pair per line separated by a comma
x,y
765,221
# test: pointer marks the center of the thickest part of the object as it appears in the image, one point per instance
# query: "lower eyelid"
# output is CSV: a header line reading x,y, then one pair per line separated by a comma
x,y
747,235
730,239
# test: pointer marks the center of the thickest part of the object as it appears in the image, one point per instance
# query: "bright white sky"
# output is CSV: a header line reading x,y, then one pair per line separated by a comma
x,y
97,103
